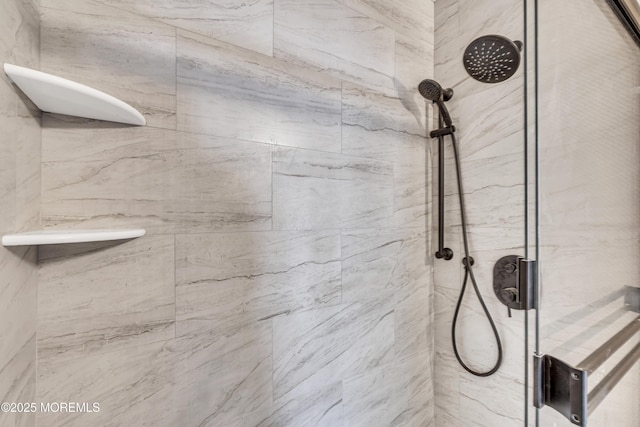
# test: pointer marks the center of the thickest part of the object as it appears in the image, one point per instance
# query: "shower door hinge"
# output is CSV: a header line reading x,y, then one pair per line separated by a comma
x,y
514,282
560,386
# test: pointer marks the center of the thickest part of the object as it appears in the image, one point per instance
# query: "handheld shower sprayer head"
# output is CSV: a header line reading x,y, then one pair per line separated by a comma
x,y
431,90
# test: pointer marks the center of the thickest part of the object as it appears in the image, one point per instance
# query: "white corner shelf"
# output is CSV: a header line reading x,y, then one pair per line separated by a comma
x,y
56,237
54,94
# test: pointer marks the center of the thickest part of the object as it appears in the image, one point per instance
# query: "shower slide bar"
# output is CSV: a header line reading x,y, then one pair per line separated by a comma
x,y
564,387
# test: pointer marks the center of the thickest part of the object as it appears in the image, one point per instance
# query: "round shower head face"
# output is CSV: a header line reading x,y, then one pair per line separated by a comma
x,y
430,89
492,59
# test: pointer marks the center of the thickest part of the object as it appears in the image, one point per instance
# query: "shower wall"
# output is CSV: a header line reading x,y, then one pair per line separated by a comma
x,y
490,123
20,191
286,277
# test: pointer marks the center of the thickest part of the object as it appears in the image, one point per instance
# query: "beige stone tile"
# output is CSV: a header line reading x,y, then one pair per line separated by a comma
x,y
125,55
314,190
159,180
327,35
230,92
245,24
95,298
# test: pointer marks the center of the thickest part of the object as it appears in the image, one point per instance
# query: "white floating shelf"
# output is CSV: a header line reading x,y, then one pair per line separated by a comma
x,y
54,94
56,237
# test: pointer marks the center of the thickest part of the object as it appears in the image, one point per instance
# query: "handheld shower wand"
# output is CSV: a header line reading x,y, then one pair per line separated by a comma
x,y
432,91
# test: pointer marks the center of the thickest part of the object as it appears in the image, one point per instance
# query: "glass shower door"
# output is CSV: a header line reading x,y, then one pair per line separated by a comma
x,y
588,207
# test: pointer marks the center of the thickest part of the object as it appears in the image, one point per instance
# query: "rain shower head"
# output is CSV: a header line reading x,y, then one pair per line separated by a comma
x,y
492,58
431,90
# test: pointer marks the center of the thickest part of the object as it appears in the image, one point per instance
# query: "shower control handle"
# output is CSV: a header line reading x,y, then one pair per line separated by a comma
x,y
509,294
514,282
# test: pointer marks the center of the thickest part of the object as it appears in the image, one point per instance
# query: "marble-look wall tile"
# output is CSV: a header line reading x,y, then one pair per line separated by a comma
x,y
28,173
506,410
384,127
19,192
18,383
8,156
133,386
125,55
223,370
377,126
400,394
227,91
336,39
80,313
390,263
245,24
412,18
311,349
18,293
229,286
414,62
160,180
321,407
257,275
314,190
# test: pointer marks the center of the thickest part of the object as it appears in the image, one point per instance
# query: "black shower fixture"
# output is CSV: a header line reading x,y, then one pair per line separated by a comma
x,y
492,58
433,91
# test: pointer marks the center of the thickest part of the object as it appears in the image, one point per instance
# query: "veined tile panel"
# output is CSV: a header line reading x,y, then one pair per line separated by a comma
x,y
315,190
231,92
400,394
134,387
19,36
330,36
412,18
18,293
414,63
390,263
322,407
19,192
164,181
376,125
229,286
224,374
257,275
95,298
312,348
123,54
385,127
248,24
8,155
18,382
